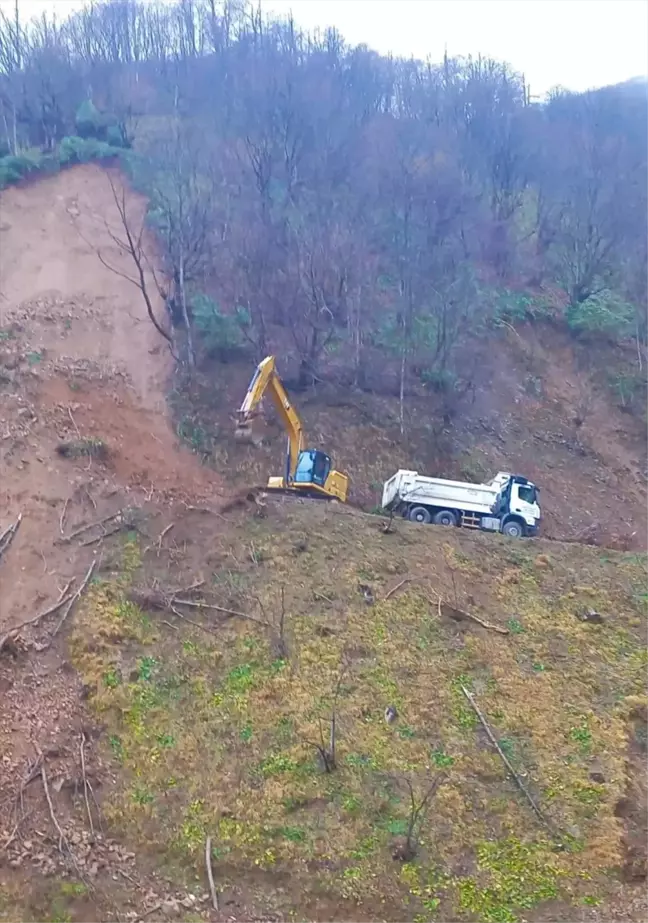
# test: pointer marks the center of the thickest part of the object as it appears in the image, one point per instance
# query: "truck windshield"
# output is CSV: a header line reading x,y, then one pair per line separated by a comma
x,y
527,493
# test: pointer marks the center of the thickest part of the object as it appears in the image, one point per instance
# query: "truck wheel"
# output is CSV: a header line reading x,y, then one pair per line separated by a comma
x,y
513,529
445,518
420,514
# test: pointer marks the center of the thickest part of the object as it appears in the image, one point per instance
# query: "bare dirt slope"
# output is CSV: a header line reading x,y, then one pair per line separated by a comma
x,y
540,408
81,362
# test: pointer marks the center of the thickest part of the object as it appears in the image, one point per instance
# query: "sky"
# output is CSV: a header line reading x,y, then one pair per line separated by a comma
x,y
577,44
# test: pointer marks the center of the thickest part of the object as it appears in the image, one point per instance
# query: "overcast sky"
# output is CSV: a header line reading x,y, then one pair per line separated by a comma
x,y
572,43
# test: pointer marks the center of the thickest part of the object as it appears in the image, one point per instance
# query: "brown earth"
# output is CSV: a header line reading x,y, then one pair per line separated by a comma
x,y
80,360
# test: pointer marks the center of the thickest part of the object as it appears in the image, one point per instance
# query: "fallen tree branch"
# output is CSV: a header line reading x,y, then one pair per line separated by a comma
x,y
62,839
397,587
100,538
85,781
210,874
98,809
75,597
33,772
9,534
206,509
518,781
462,614
474,618
147,913
62,600
62,517
158,543
187,589
203,605
175,611
91,525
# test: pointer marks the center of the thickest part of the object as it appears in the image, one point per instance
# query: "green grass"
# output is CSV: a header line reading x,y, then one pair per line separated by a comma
x,y
212,734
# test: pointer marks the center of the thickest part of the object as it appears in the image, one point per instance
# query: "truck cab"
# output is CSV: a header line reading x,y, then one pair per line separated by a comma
x,y
517,503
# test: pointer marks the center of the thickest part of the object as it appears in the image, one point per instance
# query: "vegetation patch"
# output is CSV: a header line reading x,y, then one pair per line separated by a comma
x,y
215,735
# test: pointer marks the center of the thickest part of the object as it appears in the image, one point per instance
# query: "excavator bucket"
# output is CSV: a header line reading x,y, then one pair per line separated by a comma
x,y
245,434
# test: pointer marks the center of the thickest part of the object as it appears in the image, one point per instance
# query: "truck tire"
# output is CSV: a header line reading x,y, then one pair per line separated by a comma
x,y
513,529
445,518
420,514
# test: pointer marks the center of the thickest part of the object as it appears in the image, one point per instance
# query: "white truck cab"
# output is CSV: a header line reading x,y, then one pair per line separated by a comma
x,y
508,503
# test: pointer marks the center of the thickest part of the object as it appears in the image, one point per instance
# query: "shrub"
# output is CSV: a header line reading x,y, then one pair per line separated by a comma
x,y
71,150
441,381
515,307
15,166
82,150
115,137
606,312
89,121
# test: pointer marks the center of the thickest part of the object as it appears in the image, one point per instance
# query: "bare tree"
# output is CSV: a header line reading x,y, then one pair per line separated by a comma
x,y
326,749
419,802
130,240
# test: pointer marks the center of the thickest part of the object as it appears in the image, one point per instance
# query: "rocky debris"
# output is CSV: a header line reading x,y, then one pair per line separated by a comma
x,y
591,616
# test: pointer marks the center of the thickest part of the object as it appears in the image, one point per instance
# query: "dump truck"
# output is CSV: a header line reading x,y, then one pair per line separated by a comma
x,y
507,504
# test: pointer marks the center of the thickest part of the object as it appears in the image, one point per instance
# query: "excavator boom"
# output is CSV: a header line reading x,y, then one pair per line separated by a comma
x,y
266,379
307,470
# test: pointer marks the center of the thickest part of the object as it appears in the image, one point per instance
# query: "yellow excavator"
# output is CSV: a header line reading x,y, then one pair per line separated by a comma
x,y
309,472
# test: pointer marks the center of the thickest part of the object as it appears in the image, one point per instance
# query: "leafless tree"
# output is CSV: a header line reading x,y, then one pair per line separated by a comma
x,y
129,238
327,749
419,803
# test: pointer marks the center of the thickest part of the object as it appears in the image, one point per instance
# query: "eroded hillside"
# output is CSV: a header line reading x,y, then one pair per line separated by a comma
x,y
189,692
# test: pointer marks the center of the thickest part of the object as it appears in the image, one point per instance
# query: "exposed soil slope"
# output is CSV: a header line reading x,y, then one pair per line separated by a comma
x,y
79,362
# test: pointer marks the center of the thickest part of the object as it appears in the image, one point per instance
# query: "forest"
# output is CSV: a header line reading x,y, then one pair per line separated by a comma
x,y
363,215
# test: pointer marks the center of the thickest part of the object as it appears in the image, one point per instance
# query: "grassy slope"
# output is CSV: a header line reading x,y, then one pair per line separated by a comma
x,y
210,730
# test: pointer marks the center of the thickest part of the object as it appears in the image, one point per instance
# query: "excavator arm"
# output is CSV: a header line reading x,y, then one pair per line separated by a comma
x,y
266,379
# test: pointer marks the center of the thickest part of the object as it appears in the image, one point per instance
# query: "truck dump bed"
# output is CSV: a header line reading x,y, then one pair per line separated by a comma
x,y
412,487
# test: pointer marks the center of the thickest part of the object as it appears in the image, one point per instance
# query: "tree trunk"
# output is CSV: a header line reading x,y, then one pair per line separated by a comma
x,y
401,396
191,355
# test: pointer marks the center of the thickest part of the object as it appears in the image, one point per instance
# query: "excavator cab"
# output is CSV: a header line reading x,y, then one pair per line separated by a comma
x,y
313,467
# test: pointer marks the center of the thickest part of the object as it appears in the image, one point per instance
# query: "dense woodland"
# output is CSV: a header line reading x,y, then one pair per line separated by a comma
x,y
356,211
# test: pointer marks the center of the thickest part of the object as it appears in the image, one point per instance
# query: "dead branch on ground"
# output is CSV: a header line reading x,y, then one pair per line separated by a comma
x,y
33,772
75,597
396,588
85,781
160,538
62,517
457,614
9,534
62,601
62,841
106,534
90,525
516,778
210,874
180,615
